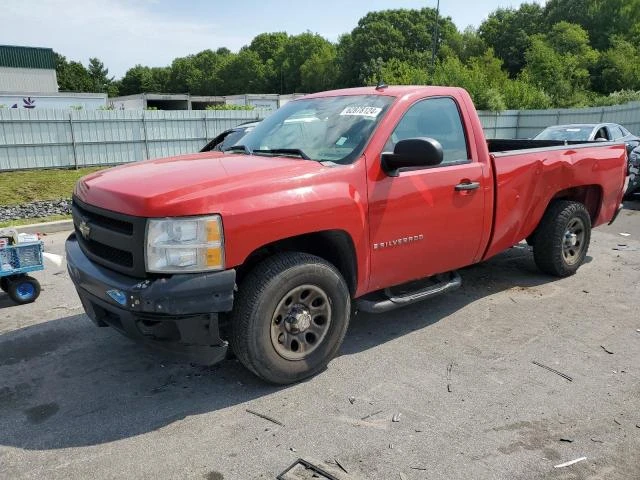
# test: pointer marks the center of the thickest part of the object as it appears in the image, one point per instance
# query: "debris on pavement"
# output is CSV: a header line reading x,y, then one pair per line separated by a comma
x,y
340,465
625,247
396,417
293,449
371,415
302,469
568,440
566,464
563,375
449,370
352,400
617,422
625,234
597,440
424,469
606,349
402,476
266,417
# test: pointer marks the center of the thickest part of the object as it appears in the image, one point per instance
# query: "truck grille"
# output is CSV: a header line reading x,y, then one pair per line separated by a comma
x,y
110,238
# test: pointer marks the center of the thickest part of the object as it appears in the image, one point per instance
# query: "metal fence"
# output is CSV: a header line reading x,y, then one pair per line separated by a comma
x,y
528,123
57,138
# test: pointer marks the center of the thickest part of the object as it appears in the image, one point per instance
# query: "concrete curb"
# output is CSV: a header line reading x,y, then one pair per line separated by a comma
x,y
46,227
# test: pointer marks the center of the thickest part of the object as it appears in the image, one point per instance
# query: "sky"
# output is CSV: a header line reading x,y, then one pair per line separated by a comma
x,y
123,33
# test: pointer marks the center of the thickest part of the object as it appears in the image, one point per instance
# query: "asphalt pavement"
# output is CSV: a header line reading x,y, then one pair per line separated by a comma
x,y
455,372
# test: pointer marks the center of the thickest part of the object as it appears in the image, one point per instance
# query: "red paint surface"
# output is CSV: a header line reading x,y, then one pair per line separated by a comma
x,y
263,200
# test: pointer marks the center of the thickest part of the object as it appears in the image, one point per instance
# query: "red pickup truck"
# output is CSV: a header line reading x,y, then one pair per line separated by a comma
x,y
366,198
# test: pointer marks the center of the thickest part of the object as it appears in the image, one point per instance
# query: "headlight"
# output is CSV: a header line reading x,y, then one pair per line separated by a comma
x,y
189,244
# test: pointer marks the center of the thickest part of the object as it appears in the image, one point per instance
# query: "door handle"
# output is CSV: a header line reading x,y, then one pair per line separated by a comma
x,y
467,186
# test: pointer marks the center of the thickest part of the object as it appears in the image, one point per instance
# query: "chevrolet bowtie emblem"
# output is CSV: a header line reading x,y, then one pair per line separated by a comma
x,y
84,228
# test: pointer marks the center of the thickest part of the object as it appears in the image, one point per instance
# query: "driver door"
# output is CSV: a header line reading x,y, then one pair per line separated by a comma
x,y
429,220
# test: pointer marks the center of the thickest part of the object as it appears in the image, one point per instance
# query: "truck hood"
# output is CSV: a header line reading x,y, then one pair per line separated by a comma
x,y
191,184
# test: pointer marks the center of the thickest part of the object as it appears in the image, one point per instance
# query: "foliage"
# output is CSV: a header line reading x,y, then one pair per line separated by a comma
x,y
99,75
229,107
617,98
617,68
141,79
509,32
559,63
402,35
566,53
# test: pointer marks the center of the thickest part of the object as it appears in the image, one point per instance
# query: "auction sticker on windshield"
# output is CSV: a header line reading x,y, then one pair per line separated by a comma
x,y
362,111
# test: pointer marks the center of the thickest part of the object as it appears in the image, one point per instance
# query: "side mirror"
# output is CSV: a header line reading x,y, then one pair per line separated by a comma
x,y
412,152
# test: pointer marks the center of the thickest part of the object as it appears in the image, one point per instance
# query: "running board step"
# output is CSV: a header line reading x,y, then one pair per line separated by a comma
x,y
386,300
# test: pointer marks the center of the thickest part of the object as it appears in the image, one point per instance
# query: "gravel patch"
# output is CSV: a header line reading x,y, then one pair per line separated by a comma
x,y
35,210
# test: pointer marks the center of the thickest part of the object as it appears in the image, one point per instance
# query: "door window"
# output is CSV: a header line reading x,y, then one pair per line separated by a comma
x,y
437,118
615,131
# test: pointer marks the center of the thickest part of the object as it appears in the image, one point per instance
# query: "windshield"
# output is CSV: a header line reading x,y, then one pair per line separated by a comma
x,y
332,129
573,132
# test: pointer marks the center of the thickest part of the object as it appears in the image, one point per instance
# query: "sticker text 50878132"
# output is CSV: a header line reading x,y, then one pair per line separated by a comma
x,y
362,111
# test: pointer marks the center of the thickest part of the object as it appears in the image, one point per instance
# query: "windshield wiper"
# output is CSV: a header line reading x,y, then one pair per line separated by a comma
x,y
285,151
238,148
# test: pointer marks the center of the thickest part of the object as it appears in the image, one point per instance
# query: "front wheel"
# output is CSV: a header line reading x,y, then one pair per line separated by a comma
x,y
291,316
23,289
562,238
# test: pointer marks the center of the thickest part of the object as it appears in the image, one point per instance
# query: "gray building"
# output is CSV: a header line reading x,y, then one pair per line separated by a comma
x,y
27,69
185,101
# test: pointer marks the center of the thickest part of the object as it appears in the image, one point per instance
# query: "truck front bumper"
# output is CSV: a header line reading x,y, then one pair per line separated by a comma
x,y
179,314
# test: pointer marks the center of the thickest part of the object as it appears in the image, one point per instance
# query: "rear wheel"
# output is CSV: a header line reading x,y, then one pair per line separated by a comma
x,y
291,317
562,238
23,289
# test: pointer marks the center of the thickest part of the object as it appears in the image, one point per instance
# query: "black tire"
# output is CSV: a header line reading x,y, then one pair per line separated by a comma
x,y
4,284
531,240
24,290
631,196
563,223
265,292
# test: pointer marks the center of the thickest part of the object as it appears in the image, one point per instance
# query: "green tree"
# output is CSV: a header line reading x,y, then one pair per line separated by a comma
x,y
141,79
321,70
297,50
602,19
72,76
269,47
398,72
616,70
243,73
484,90
99,75
470,44
508,32
559,63
404,35
184,76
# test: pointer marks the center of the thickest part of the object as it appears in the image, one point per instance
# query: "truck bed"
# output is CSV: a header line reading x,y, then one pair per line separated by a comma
x,y
526,180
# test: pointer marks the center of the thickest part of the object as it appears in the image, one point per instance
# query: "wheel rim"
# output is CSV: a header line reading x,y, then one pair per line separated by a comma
x,y
300,322
574,240
25,291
